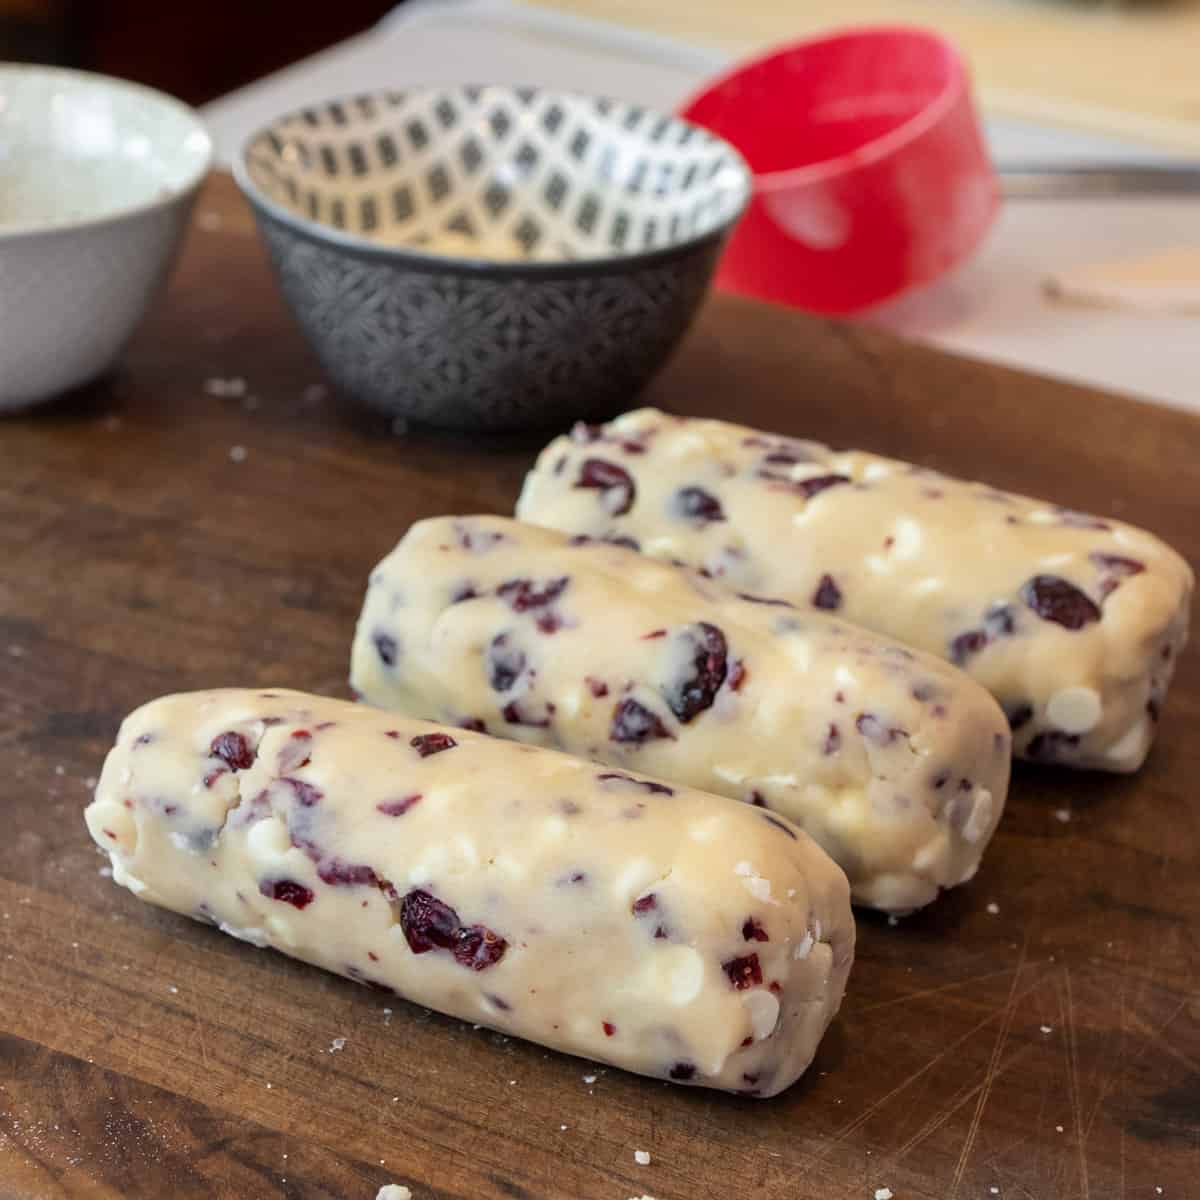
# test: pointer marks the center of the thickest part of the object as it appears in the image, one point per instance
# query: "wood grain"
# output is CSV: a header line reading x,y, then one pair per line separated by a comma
x,y
142,1055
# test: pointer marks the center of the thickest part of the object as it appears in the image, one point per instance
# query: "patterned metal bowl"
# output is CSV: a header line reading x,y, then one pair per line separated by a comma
x,y
492,257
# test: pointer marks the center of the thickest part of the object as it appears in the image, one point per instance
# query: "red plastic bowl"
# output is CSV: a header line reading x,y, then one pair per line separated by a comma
x,y
870,171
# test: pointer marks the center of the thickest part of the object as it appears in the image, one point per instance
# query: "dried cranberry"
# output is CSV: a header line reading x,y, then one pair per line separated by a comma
x,y
477,541
768,600
737,676
614,483
1054,599
770,820
833,740
1018,715
999,620
609,1028
426,744
474,724
597,687
634,722
428,923
233,750
287,890
464,591
874,730
648,785
828,595
478,947
628,543
654,633
505,663
695,504
808,488
386,648
695,692
744,972
1117,564
514,714
967,644
306,794
524,594
646,903
757,799
340,874
683,1070
212,776
752,931
549,622
397,808
1115,567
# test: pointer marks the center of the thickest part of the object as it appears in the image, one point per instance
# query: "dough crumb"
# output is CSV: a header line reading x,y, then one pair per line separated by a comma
x,y
209,221
393,1191
883,1194
1046,1028
336,1045
641,1157
994,1190
994,909
235,386
589,1079
1062,814
237,454
1058,1129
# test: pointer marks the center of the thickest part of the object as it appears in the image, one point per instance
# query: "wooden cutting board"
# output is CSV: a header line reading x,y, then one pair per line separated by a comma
x,y
1035,1034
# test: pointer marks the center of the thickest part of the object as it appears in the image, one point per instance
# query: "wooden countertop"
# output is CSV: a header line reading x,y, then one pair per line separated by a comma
x,y
1049,1049
1122,69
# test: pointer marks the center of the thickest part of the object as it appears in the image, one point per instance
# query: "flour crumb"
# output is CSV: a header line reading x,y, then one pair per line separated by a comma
x,y
562,1128
172,989
90,783
336,1045
237,454
60,769
1058,1129
883,1194
641,1157
393,1191
993,908
893,920
994,1190
1046,1028
1062,814
17,651
589,1079
209,221
236,386
387,1016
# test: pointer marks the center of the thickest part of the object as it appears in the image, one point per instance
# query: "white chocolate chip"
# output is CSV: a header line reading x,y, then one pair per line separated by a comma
x,y
641,1157
803,946
268,840
763,1010
1075,710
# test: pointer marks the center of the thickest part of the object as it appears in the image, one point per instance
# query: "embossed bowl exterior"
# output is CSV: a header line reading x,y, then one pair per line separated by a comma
x,y
605,222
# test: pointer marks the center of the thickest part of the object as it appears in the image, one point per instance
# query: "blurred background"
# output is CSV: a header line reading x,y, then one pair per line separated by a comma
x,y
1098,288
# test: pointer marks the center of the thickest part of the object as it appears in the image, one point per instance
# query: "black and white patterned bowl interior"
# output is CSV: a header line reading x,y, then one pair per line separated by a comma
x,y
500,173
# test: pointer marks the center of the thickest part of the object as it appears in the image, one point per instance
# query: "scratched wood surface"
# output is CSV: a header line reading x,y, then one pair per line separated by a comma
x,y
1035,1034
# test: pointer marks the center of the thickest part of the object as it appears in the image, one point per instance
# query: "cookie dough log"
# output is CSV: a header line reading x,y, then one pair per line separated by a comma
x,y
662,930
896,763
1074,623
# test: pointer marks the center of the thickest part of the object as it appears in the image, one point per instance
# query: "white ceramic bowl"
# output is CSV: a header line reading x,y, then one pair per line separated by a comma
x,y
97,178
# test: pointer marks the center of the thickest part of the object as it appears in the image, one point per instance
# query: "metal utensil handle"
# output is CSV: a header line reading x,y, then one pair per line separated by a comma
x,y
1020,181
